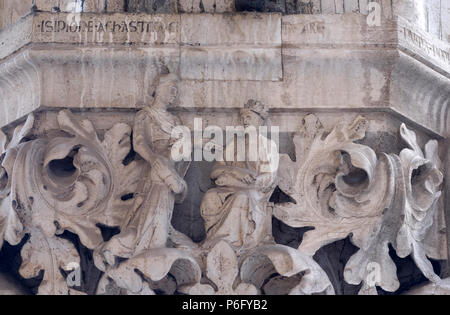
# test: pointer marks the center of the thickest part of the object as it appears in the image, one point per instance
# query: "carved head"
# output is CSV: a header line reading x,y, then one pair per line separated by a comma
x,y
254,113
167,89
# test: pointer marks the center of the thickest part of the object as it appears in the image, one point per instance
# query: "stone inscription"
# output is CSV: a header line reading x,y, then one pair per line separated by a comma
x,y
117,28
316,27
313,28
424,45
99,26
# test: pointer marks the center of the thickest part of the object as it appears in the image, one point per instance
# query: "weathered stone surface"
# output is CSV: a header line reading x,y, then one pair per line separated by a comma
x,y
142,29
12,11
429,15
151,6
355,65
97,96
424,45
205,6
445,18
231,48
350,29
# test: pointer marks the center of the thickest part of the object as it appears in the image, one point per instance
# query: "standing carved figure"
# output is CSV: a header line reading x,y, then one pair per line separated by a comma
x,y
236,210
148,224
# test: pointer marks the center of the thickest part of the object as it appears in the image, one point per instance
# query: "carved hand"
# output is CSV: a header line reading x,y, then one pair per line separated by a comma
x,y
228,180
169,176
242,175
248,179
175,184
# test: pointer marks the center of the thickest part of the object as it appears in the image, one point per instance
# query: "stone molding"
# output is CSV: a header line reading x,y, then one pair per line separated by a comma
x,y
301,46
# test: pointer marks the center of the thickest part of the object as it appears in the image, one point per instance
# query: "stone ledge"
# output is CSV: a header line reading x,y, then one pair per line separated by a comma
x,y
135,29
322,62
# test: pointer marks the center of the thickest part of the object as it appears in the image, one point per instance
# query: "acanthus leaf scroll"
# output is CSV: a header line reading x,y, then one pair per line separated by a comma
x,y
92,193
63,183
11,228
342,189
50,254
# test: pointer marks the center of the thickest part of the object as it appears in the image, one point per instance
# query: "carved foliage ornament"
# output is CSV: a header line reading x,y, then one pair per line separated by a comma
x,y
74,181
49,196
341,188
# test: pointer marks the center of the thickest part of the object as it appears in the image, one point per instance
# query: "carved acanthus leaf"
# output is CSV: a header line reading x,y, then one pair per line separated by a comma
x,y
11,228
372,264
406,222
222,270
422,179
341,189
50,255
93,192
288,262
72,183
10,225
155,264
334,188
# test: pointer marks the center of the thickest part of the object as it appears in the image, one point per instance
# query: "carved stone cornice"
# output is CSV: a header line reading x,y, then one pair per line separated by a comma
x,y
305,59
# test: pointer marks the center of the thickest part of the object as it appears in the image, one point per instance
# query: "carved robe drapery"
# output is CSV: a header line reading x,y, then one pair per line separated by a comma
x,y
236,211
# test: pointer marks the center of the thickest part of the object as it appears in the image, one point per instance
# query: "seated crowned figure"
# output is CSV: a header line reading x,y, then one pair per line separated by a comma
x,y
236,210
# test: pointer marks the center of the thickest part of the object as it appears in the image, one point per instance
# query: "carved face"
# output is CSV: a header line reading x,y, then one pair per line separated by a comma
x,y
250,118
167,93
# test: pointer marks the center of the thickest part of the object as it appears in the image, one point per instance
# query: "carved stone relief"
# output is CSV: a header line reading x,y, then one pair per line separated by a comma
x,y
342,188
76,178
